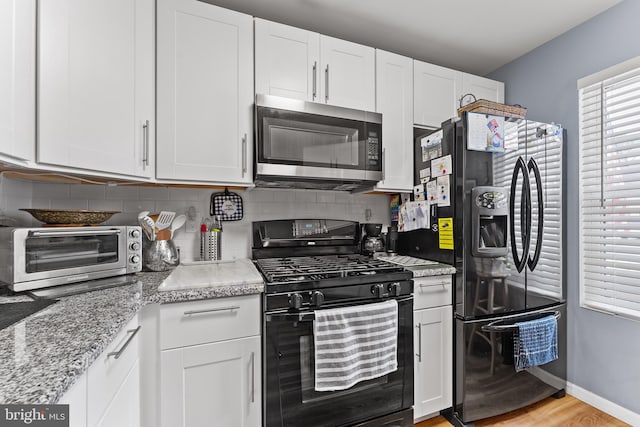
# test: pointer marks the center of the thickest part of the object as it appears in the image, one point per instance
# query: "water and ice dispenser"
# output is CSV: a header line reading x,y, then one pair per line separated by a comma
x,y
490,219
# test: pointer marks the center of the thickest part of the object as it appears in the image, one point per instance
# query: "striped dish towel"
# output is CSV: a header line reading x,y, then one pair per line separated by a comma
x,y
354,344
536,342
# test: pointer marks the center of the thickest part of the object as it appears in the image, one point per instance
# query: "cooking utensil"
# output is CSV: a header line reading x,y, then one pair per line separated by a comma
x,y
165,218
148,226
142,214
177,223
227,206
70,217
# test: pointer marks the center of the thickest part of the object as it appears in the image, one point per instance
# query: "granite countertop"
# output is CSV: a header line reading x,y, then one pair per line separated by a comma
x,y
420,267
42,355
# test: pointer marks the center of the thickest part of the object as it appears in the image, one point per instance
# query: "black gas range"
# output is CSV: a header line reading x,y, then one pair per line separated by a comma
x,y
311,265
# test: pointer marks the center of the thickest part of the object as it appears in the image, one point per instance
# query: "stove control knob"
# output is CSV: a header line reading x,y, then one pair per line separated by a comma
x,y
379,291
134,259
135,246
394,289
317,298
134,233
295,301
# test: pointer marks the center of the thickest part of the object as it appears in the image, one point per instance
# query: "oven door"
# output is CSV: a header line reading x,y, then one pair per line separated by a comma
x,y
53,256
290,398
306,139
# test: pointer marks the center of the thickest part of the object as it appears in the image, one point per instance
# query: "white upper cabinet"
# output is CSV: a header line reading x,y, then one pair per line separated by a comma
x,y
436,92
300,64
394,99
205,93
96,85
287,61
17,78
482,88
347,74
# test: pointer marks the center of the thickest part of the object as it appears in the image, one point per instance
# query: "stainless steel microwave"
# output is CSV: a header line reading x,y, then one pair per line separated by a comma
x,y
311,145
33,258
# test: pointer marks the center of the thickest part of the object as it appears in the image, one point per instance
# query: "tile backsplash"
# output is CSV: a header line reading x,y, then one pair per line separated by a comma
x,y
259,204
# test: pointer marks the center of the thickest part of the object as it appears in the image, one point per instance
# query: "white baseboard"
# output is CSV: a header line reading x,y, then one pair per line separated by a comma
x,y
613,409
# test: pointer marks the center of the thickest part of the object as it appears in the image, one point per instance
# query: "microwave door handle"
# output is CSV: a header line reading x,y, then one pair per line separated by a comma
x,y
75,233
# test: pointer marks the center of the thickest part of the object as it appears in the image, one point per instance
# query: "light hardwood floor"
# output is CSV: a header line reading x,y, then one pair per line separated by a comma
x,y
565,412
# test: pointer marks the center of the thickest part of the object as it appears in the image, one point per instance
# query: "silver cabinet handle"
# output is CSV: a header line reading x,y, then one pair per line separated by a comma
x,y
384,158
211,310
326,84
253,377
419,353
244,154
315,69
443,284
116,354
145,143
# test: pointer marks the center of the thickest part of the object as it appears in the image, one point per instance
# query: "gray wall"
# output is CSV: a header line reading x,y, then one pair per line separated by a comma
x,y
604,350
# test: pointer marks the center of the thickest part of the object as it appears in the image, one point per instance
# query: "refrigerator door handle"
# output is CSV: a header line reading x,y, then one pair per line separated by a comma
x,y
520,262
533,166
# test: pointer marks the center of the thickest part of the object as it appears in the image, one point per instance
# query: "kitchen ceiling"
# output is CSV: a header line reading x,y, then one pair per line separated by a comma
x,y
468,35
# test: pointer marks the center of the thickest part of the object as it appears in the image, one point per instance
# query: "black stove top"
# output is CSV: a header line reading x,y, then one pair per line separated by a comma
x,y
321,267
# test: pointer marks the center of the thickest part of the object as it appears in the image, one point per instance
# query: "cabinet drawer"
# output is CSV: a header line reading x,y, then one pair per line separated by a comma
x,y
198,322
432,291
110,370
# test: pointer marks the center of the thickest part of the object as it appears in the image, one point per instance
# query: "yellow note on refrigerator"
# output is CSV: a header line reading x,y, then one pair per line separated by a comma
x,y
445,233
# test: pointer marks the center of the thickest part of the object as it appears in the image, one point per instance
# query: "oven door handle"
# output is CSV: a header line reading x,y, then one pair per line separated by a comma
x,y
53,233
309,316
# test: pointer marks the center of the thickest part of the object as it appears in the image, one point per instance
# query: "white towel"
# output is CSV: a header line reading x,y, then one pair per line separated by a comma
x,y
354,344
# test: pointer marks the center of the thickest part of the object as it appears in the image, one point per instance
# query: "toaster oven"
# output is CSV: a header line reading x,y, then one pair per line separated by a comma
x,y
34,258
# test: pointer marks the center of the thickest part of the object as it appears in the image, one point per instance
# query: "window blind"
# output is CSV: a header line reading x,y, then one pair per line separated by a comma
x,y
609,119
542,142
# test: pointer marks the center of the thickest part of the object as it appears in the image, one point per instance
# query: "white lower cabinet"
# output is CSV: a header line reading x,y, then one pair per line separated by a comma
x,y
433,343
209,365
108,395
76,398
212,384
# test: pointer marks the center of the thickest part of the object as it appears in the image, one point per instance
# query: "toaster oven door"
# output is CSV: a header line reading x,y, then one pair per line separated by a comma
x,y
45,257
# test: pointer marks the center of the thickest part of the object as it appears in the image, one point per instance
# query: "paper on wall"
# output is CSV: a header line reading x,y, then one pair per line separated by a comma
x,y
418,192
414,215
443,191
441,166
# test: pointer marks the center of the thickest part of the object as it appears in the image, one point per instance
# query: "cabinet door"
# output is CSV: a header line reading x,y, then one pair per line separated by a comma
x,y
433,373
482,88
287,61
347,74
205,92
394,99
124,409
435,93
212,384
76,398
96,85
18,78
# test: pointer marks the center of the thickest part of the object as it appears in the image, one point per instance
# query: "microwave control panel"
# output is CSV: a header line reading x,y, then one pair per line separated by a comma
x,y
373,148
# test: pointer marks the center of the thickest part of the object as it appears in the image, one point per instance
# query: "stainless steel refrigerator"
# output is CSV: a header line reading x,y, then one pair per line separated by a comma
x,y
506,207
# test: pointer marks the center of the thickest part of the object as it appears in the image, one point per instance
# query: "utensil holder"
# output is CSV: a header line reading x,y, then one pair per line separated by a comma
x,y
211,246
160,255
